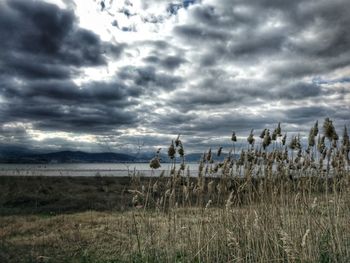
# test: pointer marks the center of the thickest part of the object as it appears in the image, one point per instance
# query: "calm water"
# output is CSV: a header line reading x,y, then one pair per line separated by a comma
x,y
86,169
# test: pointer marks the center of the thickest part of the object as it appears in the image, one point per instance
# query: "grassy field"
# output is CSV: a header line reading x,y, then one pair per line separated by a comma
x,y
55,195
70,219
275,203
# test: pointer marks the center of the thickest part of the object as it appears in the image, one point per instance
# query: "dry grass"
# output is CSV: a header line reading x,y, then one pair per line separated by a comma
x,y
300,230
273,204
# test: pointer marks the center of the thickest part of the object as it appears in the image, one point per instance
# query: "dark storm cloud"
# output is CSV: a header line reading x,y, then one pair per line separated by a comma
x,y
279,46
68,92
288,40
14,138
330,20
207,125
301,114
18,132
298,91
305,116
163,56
299,66
62,105
261,43
42,49
215,129
249,33
168,62
39,40
212,92
149,77
225,65
82,119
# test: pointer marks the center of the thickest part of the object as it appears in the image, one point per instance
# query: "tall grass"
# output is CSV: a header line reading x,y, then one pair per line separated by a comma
x,y
266,168
277,200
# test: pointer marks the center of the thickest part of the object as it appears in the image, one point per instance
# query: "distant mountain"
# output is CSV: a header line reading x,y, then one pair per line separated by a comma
x,y
69,157
7,151
25,156
193,157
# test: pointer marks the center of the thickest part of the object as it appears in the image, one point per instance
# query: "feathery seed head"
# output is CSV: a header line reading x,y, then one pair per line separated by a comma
x,y
311,138
274,135
177,141
346,141
219,151
155,163
267,139
263,134
279,130
171,150
233,137
295,143
181,150
329,130
208,155
284,139
250,138
321,144
315,129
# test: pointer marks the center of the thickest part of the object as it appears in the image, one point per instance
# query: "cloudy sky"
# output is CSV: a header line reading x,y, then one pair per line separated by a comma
x,y
111,75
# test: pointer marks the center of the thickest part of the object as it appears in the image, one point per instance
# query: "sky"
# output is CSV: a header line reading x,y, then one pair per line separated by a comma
x,y
119,75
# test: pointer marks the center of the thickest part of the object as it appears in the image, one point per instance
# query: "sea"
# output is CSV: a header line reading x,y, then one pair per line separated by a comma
x,y
89,169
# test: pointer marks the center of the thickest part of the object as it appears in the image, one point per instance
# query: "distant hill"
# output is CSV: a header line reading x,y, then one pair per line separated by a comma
x,y
69,157
85,157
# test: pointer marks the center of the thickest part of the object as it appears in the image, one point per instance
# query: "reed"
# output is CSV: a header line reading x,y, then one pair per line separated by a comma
x,y
281,200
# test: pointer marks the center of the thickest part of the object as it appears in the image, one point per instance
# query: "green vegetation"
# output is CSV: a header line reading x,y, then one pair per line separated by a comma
x,y
277,202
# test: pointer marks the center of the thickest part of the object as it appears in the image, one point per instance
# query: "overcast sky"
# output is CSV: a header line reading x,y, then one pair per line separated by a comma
x,y
93,76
